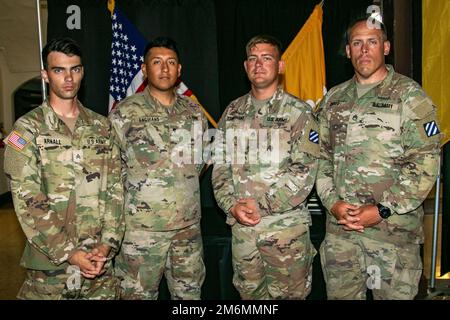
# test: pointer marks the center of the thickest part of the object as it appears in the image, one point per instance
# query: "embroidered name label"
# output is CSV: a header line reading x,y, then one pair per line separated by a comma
x,y
336,103
149,119
91,141
277,119
235,117
382,105
52,141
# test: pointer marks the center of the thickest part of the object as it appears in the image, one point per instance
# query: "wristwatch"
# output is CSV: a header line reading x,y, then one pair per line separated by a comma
x,y
383,211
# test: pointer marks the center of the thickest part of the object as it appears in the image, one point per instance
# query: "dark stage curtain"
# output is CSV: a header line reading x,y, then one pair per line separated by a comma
x,y
190,22
238,21
94,38
211,35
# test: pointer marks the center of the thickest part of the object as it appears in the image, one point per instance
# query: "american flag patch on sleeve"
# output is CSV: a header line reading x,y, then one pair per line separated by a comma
x,y
16,141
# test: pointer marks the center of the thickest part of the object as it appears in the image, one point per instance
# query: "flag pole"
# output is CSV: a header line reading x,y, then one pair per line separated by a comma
x,y
111,5
208,116
432,283
38,12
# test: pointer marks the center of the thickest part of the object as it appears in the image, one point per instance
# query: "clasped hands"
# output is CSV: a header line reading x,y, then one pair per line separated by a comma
x,y
246,212
354,218
91,263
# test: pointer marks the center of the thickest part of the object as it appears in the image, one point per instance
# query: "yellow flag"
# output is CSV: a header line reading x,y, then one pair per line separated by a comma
x,y
435,59
305,61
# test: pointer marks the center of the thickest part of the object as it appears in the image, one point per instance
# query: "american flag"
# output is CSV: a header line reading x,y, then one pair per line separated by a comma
x,y
127,49
16,141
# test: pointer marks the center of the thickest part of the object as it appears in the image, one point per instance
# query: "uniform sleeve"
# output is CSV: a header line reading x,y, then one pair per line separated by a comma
x,y
419,164
113,220
44,228
120,141
205,144
222,178
298,174
325,185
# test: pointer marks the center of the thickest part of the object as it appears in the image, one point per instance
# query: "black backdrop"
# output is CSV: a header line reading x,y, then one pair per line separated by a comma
x,y
211,36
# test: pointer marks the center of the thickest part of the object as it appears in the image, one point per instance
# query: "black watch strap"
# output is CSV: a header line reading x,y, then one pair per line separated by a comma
x,y
383,211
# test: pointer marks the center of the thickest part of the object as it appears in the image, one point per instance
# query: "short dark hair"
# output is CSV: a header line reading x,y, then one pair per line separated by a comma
x,y
354,22
162,42
263,38
67,46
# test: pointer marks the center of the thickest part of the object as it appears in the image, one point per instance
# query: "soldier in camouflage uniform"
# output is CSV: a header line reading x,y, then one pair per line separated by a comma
x,y
64,173
379,160
162,193
264,196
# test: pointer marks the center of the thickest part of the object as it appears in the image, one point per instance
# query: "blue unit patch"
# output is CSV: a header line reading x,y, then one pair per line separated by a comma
x,y
431,128
314,137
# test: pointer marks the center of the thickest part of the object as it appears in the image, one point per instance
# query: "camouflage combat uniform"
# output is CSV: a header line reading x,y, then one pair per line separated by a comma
x,y
162,197
271,260
67,196
380,148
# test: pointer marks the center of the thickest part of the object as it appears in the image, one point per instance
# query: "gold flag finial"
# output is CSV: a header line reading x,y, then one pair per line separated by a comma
x,y
111,5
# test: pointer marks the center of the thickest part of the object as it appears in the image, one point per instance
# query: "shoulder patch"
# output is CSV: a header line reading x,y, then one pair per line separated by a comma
x,y
420,107
431,128
17,141
310,140
314,136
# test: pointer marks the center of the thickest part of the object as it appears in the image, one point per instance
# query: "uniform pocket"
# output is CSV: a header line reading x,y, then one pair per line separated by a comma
x,y
56,168
148,144
386,121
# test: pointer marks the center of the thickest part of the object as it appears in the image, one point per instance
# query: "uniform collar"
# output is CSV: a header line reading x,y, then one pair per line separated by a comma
x,y
52,119
152,101
276,97
377,91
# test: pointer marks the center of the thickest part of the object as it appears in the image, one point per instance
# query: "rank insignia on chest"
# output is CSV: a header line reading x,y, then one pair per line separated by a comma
x,y
77,156
314,137
431,128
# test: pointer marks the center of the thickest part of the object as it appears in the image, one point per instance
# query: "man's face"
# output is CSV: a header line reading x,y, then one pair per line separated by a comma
x,y
263,65
161,68
63,74
366,50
